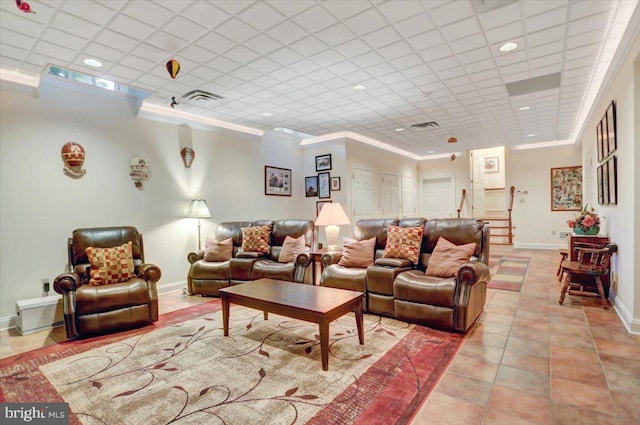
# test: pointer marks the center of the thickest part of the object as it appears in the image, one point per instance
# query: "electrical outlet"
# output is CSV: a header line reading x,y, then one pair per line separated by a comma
x,y
45,285
553,232
564,235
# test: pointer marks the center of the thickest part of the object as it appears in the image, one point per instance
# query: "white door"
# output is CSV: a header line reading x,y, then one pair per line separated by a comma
x,y
362,194
409,197
438,198
389,195
477,185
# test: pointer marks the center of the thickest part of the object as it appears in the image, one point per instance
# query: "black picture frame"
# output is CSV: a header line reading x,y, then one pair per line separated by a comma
x,y
335,184
324,185
612,168
311,186
600,185
319,205
611,128
277,181
600,142
323,162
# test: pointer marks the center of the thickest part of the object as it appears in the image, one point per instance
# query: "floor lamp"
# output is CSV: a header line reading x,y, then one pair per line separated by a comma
x,y
332,215
198,209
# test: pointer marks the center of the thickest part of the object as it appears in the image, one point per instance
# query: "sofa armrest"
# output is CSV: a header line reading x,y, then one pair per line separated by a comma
x,y
471,293
329,258
472,272
303,259
149,272
195,256
66,282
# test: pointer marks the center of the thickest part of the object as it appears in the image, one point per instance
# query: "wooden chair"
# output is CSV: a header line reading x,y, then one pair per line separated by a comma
x,y
590,262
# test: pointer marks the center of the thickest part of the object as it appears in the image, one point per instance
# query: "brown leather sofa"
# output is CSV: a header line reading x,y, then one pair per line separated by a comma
x,y
399,289
94,310
206,277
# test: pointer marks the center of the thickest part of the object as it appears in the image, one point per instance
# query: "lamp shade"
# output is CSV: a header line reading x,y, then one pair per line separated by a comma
x,y
332,214
198,209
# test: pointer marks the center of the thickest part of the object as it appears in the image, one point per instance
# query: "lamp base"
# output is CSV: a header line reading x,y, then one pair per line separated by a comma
x,y
332,248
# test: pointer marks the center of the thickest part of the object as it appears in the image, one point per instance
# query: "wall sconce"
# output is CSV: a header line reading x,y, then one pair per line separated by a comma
x,y
188,155
139,171
198,208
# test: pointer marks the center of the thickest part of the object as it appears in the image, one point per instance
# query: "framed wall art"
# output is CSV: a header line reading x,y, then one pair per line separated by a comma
x,y
277,181
566,189
323,162
612,169
324,189
311,186
600,186
319,205
491,164
600,142
612,143
335,183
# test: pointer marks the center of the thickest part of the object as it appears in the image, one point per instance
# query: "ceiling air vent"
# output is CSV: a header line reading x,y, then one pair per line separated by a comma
x,y
201,95
429,124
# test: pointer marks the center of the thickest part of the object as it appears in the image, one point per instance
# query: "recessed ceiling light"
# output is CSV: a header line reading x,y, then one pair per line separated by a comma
x,y
524,108
531,135
507,47
359,87
266,114
399,129
94,63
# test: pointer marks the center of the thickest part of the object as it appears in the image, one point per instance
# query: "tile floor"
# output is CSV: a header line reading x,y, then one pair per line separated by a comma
x,y
527,361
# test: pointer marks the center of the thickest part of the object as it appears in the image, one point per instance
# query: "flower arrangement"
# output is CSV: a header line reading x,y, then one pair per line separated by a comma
x,y
587,222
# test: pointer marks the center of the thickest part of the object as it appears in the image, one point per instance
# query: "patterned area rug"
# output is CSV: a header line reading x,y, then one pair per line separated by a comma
x,y
508,271
265,372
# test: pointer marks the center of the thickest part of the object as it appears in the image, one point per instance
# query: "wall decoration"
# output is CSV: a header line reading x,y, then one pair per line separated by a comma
x,y
139,171
612,169
566,189
173,67
324,189
319,205
612,143
174,102
491,164
277,181
600,185
73,156
188,155
311,186
335,183
600,142
24,6
323,162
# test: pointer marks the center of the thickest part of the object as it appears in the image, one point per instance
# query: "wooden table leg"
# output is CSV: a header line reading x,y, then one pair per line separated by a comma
x,y
324,344
359,321
603,300
265,314
225,315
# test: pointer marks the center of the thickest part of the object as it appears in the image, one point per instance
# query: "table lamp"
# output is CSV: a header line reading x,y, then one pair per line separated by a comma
x,y
198,209
332,215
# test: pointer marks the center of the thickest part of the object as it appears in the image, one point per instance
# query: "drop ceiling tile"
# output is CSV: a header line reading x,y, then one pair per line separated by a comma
x,y
586,25
241,55
395,11
184,28
137,63
148,12
343,10
343,68
215,42
468,43
285,56
505,33
261,15
304,66
500,16
309,46
366,22
315,19
545,36
92,12
131,27
206,14
63,21
407,61
449,12
395,50
368,59
381,37
151,53
287,32
15,54
105,54
123,73
236,30
166,41
197,54
265,81
25,42
465,28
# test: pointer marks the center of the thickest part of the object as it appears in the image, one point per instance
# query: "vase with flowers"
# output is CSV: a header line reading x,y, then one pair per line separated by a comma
x,y
587,222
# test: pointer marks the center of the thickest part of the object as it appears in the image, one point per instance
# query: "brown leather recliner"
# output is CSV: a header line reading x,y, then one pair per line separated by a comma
x,y
93,310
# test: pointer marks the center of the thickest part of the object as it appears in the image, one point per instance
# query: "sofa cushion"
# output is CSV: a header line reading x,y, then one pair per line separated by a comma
x,y
403,242
256,238
291,248
447,258
357,253
218,250
110,265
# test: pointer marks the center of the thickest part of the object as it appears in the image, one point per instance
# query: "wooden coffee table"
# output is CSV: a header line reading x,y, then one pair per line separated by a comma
x,y
316,304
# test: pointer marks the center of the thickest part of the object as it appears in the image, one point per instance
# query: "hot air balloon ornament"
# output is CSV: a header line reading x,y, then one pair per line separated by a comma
x,y
173,67
24,6
73,157
188,156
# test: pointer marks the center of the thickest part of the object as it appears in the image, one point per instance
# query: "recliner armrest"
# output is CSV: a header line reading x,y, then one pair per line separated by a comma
x,y
331,257
303,259
195,256
473,272
66,282
149,272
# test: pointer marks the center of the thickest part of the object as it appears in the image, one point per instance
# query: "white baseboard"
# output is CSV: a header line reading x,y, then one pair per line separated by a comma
x,y
9,322
632,325
539,245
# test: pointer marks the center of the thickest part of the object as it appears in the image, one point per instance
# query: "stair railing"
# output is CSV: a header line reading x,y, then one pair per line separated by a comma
x,y
512,191
462,199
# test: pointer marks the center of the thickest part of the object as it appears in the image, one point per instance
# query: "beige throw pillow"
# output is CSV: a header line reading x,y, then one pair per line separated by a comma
x,y
357,253
110,265
447,258
403,242
218,250
291,248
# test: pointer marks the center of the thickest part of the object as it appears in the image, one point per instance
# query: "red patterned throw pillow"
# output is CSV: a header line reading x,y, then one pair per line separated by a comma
x,y
403,242
256,239
110,265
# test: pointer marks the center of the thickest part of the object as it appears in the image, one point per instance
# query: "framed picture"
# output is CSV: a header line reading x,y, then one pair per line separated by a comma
x,y
323,162
611,128
600,187
335,183
599,142
277,181
491,164
566,189
324,190
605,183
311,186
319,205
612,168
